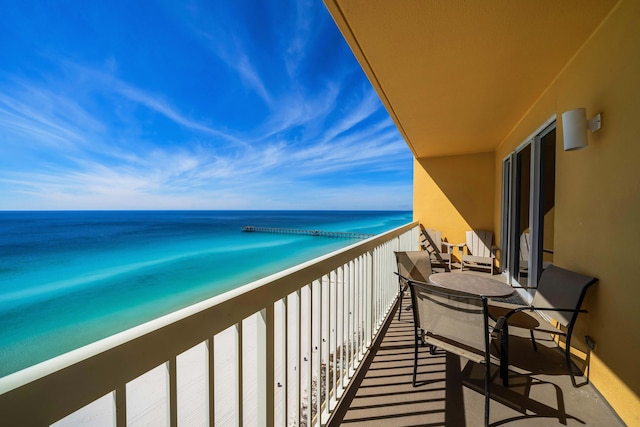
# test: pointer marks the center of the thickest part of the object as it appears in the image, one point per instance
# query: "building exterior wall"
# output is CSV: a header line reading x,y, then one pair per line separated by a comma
x,y
597,207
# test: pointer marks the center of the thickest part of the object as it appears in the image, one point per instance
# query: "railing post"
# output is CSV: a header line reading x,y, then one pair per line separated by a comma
x,y
172,370
340,337
380,282
284,357
357,298
317,346
239,375
352,283
325,345
369,309
297,346
120,401
212,383
307,360
376,304
266,386
333,340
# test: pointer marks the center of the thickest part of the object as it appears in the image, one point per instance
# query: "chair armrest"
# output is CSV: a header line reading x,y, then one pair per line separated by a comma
x,y
408,280
401,277
517,310
533,308
498,328
569,310
403,281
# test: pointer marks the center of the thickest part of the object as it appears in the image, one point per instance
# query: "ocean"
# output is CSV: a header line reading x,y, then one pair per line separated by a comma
x,y
69,278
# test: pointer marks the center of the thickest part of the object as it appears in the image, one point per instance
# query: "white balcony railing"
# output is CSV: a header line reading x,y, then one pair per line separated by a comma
x,y
278,351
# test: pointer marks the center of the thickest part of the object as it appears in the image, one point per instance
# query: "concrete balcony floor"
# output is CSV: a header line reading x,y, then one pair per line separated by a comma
x,y
450,390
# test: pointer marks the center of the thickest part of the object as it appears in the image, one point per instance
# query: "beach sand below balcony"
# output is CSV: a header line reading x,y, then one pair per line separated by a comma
x,y
147,396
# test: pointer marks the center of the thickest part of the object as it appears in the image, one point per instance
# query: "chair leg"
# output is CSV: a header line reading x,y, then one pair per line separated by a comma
x,y
487,365
533,340
567,355
504,355
415,357
487,394
400,306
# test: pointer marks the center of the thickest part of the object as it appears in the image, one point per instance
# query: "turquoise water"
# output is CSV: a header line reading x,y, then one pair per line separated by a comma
x,y
70,278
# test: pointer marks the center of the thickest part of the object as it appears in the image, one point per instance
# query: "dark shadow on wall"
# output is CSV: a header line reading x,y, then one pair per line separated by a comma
x,y
468,182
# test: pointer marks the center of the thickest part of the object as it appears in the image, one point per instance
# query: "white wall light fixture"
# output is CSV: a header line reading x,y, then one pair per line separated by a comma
x,y
574,128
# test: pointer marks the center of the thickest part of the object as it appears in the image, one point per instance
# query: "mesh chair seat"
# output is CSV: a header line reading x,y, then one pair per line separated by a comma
x,y
559,295
454,321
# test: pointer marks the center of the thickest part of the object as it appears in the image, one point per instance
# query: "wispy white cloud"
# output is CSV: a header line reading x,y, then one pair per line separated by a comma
x,y
241,62
43,116
140,178
85,136
158,175
224,45
154,102
354,113
104,81
299,109
299,39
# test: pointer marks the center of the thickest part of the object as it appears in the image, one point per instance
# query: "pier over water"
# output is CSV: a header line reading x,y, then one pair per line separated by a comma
x,y
319,233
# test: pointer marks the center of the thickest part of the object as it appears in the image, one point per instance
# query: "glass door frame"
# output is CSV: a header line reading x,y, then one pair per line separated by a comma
x,y
509,241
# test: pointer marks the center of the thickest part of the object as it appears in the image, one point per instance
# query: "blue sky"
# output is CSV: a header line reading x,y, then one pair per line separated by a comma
x,y
190,105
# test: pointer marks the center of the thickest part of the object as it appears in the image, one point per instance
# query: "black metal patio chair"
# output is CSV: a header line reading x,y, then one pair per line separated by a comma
x,y
455,322
559,295
415,265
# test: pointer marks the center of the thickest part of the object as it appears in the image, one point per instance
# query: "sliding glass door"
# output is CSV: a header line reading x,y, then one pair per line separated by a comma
x,y
528,199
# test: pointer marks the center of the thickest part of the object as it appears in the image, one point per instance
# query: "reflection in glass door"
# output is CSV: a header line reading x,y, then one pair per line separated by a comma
x,y
522,233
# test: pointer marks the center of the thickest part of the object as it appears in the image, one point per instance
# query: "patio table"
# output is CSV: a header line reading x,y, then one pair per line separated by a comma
x,y
471,284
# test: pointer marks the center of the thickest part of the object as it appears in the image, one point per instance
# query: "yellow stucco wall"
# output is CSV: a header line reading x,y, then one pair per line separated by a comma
x,y
454,194
597,207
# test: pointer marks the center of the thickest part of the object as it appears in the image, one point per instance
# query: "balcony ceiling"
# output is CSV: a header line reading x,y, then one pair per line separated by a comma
x,y
457,76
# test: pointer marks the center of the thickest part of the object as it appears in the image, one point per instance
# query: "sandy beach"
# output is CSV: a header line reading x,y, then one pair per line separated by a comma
x,y
147,396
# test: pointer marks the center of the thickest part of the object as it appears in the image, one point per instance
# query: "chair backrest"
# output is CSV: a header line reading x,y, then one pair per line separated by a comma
x,y
414,265
479,242
560,288
431,242
455,321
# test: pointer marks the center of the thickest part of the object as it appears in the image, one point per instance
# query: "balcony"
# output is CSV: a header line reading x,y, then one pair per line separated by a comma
x,y
316,344
450,390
